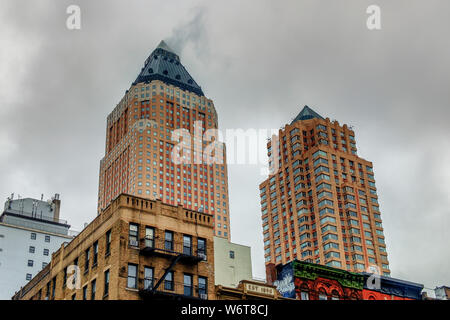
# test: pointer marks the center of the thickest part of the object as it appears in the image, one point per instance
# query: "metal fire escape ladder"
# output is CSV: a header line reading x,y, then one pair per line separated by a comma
x,y
174,261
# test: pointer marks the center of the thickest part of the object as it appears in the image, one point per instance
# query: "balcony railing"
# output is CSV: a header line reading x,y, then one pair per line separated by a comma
x,y
172,289
158,247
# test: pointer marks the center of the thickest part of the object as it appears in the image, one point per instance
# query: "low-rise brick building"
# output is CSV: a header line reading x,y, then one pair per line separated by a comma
x,y
134,249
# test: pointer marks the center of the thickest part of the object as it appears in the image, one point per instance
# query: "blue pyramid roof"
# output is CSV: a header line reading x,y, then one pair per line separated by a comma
x,y
306,114
164,64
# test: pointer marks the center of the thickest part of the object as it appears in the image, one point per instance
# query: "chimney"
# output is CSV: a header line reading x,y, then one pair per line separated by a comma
x,y
56,207
271,273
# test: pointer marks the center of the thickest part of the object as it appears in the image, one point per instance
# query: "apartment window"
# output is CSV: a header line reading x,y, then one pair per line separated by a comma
x,y
187,283
47,238
95,254
106,287
86,259
44,264
335,295
168,281
108,243
47,292
203,287
30,263
65,277
85,292
304,295
33,236
133,234
322,295
132,276
93,288
31,249
46,252
148,278
231,254
201,248
149,237
187,245
168,240
53,287
29,276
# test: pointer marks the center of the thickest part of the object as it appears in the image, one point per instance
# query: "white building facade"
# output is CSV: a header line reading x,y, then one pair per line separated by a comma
x,y
30,231
232,263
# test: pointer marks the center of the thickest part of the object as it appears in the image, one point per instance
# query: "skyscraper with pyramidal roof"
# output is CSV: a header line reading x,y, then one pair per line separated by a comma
x,y
138,154
321,206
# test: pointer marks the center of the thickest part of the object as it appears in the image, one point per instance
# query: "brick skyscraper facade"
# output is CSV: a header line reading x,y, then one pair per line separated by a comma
x,y
321,205
138,155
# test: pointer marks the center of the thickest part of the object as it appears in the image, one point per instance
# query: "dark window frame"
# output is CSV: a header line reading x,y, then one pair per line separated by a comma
x,y
168,244
93,288
95,253
169,284
106,275
133,235
134,277
108,243
87,253
188,290
149,282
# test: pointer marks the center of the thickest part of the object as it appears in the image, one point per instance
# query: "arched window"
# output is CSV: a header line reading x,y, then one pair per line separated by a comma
x,y
334,295
304,292
322,294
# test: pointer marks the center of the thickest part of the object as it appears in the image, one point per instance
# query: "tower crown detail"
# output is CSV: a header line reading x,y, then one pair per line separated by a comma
x,y
164,64
306,114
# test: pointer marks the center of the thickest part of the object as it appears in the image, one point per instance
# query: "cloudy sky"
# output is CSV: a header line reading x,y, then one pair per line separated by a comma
x,y
260,61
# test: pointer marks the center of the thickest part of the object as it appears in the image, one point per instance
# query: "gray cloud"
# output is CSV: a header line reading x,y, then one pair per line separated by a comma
x,y
260,61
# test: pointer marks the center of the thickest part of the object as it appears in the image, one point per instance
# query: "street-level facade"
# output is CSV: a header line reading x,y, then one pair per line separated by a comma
x,y
309,281
135,249
163,111
249,290
388,288
321,204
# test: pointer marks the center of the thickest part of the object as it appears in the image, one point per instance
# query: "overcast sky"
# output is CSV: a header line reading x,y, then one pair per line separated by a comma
x,y
260,61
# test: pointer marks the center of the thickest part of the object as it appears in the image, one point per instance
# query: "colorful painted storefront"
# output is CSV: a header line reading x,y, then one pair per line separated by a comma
x,y
386,288
308,281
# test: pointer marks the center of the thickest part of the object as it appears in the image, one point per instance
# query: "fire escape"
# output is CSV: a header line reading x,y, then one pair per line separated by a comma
x,y
175,253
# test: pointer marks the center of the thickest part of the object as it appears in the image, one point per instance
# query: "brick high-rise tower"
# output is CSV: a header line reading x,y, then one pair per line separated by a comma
x,y
321,205
138,155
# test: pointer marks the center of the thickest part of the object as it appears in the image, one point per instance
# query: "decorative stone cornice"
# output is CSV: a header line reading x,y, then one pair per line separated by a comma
x,y
311,271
